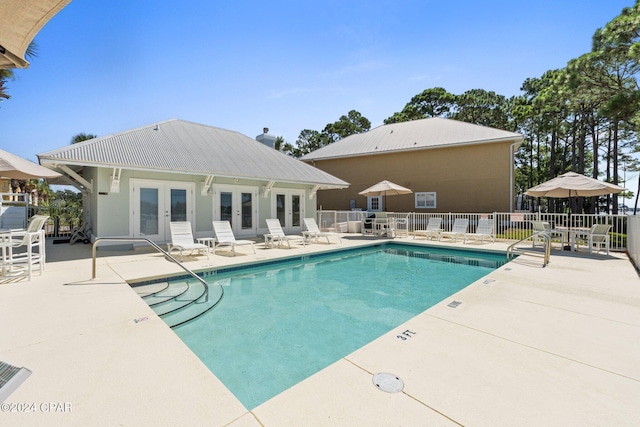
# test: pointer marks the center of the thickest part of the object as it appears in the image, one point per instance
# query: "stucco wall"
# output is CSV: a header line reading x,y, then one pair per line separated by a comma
x,y
111,211
473,178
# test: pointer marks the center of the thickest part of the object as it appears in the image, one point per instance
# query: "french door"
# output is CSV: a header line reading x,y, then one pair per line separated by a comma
x,y
288,207
238,205
156,203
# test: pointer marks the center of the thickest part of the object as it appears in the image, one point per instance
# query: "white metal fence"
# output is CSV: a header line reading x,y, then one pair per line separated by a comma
x,y
15,211
507,225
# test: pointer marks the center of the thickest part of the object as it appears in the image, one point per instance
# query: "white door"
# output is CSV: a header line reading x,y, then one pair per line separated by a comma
x,y
156,203
288,207
238,205
374,203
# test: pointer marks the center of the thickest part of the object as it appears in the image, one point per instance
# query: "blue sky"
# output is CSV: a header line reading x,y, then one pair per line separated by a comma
x,y
105,67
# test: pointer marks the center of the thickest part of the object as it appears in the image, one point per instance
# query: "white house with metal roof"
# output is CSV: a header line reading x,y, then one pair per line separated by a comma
x,y
451,166
135,182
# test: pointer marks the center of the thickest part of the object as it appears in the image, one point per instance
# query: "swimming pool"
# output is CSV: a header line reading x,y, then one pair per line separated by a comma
x,y
282,322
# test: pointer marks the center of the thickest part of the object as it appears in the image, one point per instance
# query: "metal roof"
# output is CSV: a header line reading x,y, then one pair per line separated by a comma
x,y
413,135
185,147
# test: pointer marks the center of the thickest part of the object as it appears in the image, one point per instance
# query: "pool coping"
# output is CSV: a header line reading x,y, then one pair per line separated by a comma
x,y
204,272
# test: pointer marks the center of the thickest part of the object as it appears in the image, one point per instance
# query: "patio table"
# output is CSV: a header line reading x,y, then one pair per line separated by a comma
x,y
209,242
270,240
572,235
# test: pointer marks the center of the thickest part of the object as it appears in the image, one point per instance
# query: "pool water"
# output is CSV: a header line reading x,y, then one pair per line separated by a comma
x,y
281,323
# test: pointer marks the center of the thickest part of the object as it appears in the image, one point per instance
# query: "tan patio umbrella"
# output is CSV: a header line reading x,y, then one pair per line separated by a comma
x,y
385,188
20,21
573,184
12,166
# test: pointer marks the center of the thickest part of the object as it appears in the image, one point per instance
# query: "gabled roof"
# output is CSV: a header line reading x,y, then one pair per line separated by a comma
x,y
413,135
180,146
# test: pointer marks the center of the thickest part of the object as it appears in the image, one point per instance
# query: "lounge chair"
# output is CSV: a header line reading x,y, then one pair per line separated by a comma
x,y
484,230
312,231
433,230
597,236
459,229
182,239
276,233
225,237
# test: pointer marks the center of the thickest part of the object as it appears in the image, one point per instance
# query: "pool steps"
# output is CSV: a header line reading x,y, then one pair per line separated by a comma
x,y
166,295
177,302
181,300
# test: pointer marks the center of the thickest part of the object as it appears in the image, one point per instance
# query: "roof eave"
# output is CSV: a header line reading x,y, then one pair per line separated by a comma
x,y
515,139
53,162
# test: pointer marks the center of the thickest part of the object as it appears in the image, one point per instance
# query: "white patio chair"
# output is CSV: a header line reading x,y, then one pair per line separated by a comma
x,y
22,263
367,225
544,226
459,229
384,225
225,236
182,239
312,231
433,230
484,230
401,226
540,227
597,237
277,233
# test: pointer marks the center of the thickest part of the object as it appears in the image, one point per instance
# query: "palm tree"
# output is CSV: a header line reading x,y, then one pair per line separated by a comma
x,y
4,75
39,189
7,73
82,137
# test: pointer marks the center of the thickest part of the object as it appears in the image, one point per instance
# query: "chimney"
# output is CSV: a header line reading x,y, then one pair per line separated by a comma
x,y
266,139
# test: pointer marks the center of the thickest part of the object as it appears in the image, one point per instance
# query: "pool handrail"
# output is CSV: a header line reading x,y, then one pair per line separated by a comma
x,y
155,246
540,234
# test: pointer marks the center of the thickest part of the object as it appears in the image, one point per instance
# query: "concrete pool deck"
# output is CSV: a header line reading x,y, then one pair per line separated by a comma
x,y
527,345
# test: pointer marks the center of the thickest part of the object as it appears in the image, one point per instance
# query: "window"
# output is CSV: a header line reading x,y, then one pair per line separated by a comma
x,y
375,203
426,200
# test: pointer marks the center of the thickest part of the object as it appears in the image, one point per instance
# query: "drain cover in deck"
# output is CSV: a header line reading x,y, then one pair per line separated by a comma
x,y
388,382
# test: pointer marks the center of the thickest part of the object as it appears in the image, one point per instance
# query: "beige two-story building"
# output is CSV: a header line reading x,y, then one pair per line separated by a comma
x,y
450,166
